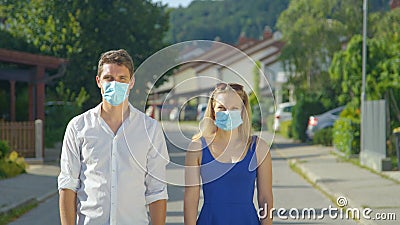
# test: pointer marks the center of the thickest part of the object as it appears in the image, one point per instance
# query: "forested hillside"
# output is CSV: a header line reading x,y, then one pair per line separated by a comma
x,y
223,19
226,19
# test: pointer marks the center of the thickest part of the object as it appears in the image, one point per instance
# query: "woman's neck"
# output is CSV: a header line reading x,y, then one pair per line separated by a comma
x,y
228,135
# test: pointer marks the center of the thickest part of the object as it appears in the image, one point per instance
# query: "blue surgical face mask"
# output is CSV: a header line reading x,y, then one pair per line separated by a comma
x,y
228,120
115,92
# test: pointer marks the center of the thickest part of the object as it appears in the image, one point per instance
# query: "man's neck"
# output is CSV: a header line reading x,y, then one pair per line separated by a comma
x,y
114,114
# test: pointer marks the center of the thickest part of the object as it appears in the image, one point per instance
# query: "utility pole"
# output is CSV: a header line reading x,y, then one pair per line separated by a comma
x,y
364,61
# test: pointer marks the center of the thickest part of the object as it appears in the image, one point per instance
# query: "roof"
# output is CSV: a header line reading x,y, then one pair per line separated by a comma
x,y
24,58
228,54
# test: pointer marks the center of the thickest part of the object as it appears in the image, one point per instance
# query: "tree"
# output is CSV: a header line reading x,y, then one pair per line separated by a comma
x,y
313,31
382,61
81,30
382,75
135,25
49,26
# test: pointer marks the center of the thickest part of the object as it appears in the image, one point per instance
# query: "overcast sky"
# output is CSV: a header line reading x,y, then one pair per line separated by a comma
x,y
176,3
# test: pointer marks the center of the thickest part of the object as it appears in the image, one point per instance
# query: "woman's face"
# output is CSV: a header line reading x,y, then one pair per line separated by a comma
x,y
227,101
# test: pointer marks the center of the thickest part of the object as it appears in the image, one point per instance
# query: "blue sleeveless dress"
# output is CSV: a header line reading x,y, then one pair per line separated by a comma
x,y
228,189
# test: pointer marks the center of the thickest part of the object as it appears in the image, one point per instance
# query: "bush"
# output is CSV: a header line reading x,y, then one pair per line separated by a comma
x,y
323,137
65,105
12,165
4,149
301,112
286,129
346,131
55,124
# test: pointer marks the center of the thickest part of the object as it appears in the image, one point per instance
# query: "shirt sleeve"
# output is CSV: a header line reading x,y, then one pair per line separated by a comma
x,y
157,160
70,161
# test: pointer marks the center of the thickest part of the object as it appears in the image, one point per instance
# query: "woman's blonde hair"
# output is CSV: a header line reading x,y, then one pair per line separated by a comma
x,y
207,126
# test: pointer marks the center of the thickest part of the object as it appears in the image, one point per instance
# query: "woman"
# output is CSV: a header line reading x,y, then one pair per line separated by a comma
x,y
229,161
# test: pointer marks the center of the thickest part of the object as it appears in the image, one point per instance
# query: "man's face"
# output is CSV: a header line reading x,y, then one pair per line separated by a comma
x,y
114,72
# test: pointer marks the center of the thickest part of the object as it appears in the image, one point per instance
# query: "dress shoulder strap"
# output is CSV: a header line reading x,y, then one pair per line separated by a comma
x,y
253,161
205,152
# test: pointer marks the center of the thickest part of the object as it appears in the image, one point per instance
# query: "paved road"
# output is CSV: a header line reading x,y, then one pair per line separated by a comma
x,y
290,191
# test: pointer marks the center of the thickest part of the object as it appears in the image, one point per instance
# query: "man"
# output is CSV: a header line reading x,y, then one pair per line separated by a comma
x,y
113,156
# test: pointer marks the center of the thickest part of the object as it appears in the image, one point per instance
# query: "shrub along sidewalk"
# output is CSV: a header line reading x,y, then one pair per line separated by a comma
x,y
11,164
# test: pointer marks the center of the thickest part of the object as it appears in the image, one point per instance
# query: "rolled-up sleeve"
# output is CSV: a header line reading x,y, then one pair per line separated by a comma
x,y
157,160
70,160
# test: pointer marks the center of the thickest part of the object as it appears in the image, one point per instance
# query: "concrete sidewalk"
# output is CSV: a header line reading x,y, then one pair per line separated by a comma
x,y
338,178
37,185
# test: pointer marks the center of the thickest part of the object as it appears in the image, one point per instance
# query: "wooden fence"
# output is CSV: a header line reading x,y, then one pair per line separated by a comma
x,y
20,136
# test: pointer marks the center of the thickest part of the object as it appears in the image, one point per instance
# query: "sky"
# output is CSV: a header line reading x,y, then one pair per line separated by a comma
x,y
176,3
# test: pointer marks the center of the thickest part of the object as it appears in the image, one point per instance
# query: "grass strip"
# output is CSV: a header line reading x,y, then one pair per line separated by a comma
x,y
13,214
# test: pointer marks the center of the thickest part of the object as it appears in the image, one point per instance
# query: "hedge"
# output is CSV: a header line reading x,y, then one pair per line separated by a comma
x,y
303,109
286,129
323,137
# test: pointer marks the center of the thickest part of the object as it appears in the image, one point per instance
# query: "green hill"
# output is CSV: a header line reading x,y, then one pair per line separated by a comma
x,y
227,19
206,19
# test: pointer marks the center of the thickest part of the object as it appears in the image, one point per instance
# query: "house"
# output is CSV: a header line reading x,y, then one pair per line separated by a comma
x,y
193,80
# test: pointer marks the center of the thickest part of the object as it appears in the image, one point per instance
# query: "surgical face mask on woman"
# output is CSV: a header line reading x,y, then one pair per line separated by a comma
x,y
115,92
228,120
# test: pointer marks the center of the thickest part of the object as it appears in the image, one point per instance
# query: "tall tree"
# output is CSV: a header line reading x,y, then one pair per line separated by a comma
x,y
313,30
382,60
50,27
135,25
81,30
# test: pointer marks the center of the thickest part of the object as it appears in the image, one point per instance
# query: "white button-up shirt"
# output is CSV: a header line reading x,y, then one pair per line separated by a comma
x,y
117,175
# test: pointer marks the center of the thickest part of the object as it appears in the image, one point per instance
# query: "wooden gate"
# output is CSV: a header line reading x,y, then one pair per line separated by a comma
x,y
20,137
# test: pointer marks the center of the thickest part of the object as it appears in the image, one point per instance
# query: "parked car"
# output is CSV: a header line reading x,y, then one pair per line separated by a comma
x,y
283,113
322,121
188,112
201,108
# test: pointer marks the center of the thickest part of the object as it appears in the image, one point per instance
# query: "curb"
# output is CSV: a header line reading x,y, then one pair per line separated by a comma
x,y
32,200
318,182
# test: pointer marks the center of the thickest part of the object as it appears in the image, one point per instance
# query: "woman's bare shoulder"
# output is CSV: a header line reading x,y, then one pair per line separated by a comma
x,y
194,150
